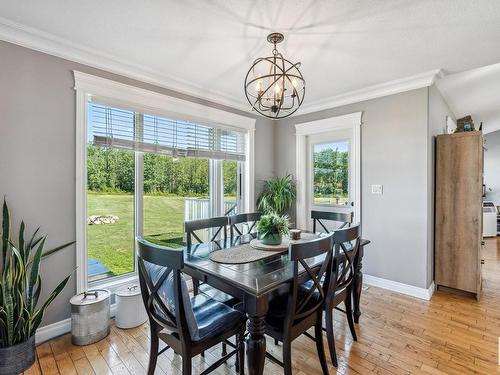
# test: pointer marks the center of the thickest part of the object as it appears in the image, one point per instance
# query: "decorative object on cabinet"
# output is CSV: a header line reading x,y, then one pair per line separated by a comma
x,y
465,124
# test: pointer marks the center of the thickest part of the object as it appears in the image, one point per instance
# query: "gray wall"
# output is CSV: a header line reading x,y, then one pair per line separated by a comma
x,y
492,167
394,152
37,152
438,110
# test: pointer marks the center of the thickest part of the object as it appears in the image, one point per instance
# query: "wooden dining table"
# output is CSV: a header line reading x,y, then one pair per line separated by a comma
x,y
256,284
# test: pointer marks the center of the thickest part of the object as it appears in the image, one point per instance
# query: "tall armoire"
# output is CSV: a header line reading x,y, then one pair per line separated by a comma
x,y
459,211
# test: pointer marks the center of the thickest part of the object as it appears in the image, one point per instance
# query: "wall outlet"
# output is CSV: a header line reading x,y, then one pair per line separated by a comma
x,y
377,189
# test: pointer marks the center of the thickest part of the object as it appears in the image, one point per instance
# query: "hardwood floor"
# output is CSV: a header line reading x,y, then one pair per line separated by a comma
x,y
397,335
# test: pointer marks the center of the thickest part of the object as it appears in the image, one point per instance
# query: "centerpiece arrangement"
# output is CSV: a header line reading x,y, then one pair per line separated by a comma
x,y
21,312
271,228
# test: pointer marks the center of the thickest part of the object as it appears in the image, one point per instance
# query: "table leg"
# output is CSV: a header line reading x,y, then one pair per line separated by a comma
x,y
358,284
256,345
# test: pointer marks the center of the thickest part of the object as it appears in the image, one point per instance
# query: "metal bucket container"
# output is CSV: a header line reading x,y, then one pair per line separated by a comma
x,y
130,311
90,316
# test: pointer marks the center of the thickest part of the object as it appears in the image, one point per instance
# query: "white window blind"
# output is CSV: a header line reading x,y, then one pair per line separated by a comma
x,y
119,128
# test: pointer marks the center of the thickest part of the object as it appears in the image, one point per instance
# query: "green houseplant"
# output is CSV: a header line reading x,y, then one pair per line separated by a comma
x,y
278,195
271,228
20,286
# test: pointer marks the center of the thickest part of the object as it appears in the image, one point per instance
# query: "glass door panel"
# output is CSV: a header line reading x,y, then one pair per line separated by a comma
x,y
330,163
331,173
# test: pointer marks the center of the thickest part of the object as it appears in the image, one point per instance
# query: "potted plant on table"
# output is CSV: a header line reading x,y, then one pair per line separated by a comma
x,y
20,286
271,228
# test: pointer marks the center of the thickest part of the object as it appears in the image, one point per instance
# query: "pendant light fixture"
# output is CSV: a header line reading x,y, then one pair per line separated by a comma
x,y
274,86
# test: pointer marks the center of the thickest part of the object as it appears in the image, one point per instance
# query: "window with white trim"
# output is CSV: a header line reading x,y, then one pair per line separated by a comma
x,y
146,175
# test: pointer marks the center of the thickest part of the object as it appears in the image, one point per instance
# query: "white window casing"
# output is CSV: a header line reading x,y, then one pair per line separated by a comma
x,y
107,92
351,122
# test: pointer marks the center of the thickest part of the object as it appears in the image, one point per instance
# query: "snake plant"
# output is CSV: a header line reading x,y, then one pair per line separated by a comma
x,y
278,195
20,283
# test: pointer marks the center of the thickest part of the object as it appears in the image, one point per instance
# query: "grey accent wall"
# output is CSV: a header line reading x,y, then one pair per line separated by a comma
x,y
37,152
492,167
438,110
264,153
394,152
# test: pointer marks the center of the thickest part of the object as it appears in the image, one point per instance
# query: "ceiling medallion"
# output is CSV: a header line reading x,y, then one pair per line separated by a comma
x,y
274,86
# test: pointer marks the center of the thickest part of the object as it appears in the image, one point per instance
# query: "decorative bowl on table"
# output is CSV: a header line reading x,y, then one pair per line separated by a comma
x,y
271,228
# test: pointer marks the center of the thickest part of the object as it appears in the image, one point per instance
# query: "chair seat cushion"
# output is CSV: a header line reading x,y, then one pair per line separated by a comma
x,y
278,311
218,295
308,284
213,317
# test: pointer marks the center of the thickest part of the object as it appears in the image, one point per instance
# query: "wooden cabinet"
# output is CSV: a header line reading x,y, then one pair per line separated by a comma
x,y
459,212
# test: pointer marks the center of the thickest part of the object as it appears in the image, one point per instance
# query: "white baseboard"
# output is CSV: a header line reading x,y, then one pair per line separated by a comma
x,y
395,286
53,330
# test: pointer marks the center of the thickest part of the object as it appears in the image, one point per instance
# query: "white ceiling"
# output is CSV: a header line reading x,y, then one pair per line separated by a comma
x,y
205,47
475,92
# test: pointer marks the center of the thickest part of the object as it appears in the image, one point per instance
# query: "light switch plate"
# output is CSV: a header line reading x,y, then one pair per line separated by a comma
x,y
377,189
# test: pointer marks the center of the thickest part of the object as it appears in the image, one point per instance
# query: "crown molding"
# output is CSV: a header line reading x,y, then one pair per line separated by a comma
x,y
38,40
376,91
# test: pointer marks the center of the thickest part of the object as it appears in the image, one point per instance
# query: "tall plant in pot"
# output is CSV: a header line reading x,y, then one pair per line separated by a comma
x,y
271,228
20,286
278,195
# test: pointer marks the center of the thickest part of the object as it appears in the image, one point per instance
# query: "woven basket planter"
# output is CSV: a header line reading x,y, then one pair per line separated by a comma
x,y
15,359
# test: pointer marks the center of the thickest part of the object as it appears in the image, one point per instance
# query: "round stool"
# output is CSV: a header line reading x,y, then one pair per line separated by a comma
x,y
130,311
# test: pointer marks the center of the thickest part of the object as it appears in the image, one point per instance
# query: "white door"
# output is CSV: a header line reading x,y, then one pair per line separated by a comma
x,y
331,162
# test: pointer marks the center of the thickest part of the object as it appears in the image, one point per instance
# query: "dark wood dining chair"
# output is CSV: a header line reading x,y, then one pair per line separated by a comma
x,y
219,224
187,325
345,247
250,218
344,218
346,244
291,315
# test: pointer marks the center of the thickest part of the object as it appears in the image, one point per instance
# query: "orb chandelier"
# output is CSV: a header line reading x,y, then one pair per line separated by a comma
x,y
274,86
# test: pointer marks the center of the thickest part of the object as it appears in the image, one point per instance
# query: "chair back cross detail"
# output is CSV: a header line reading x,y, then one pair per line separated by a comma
x,y
346,244
308,298
345,218
218,223
163,263
250,218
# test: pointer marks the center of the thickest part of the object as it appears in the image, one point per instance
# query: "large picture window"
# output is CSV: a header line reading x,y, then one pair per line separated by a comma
x,y
146,175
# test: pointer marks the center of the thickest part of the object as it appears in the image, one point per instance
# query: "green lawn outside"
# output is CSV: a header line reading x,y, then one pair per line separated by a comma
x,y
330,200
112,244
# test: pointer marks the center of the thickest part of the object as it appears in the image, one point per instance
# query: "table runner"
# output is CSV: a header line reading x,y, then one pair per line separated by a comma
x,y
246,253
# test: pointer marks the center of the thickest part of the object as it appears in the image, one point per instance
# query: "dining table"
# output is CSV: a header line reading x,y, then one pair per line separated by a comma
x,y
255,284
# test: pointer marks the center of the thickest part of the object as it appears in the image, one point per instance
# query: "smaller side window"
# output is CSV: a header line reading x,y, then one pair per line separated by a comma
x,y
331,173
